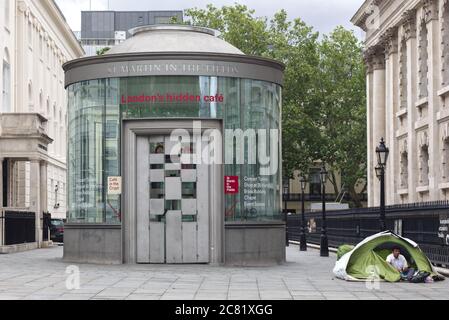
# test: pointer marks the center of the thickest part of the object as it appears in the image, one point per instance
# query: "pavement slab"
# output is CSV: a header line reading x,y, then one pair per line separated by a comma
x,y
41,275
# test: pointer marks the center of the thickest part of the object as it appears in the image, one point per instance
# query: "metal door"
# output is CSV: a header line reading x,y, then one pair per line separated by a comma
x,y
172,203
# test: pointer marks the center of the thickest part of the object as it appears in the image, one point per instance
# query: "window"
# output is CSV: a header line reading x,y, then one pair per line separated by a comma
x,y
404,170
424,166
423,61
48,108
403,74
41,47
162,20
6,13
41,102
6,90
30,33
315,182
30,98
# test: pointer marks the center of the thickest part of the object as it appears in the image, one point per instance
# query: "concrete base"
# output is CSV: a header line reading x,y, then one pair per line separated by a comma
x,y
98,244
254,244
18,248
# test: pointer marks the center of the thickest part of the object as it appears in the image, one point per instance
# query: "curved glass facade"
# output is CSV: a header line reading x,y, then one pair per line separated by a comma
x,y
250,110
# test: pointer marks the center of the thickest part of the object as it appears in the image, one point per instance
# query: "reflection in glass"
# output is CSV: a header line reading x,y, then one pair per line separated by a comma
x,y
94,121
189,190
157,190
173,205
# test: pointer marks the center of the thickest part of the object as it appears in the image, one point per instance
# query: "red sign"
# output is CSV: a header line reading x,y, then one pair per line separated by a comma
x,y
231,184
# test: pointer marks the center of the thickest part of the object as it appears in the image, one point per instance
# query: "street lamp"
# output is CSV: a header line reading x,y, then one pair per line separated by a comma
x,y
303,239
286,187
324,247
382,156
382,153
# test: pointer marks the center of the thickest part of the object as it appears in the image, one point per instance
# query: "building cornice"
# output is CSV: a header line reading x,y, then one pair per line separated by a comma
x,y
67,33
391,17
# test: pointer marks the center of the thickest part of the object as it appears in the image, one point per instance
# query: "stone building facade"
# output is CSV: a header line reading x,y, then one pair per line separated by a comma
x,y
35,40
407,59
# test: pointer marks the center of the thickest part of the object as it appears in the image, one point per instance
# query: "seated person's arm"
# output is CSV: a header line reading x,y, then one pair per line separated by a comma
x,y
405,268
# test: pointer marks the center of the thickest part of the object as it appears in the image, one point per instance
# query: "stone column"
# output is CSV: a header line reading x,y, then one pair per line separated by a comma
x,y
378,110
43,188
392,79
369,112
2,221
35,197
22,102
409,34
1,183
434,35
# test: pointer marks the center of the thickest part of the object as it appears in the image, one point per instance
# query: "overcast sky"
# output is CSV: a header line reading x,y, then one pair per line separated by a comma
x,y
323,15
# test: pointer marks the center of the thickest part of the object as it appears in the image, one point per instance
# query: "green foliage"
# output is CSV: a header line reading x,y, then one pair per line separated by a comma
x,y
324,110
103,51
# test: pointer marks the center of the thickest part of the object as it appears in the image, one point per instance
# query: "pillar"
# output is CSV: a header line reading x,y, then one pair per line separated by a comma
x,y
378,112
409,34
2,220
22,102
43,187
392,80
35,197
434,47
369,113
1,183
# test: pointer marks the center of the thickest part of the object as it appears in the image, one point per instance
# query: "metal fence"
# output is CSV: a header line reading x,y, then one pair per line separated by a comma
x,y
19,227
46,222
424,223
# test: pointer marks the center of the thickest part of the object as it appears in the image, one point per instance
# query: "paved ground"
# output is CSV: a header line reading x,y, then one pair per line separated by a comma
x,y
40,274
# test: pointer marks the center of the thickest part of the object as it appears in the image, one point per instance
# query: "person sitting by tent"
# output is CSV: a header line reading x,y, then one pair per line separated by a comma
x,y
397,260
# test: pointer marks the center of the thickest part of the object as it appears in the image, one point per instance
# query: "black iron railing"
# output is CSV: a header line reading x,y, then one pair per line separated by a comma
x,y
291,197
19,227
418,221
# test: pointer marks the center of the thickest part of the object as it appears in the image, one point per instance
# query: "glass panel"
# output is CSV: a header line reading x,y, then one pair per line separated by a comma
x,y
94,151
157,190
156,147
252,106
169,96
172,159
189,190
173,205
95,108
189,218
172,173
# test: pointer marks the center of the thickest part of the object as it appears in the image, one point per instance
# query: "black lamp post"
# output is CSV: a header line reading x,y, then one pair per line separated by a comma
x,y
303,239
324,247
286,187
382,156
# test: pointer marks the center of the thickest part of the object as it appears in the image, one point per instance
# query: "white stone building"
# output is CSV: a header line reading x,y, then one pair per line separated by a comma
x,y
35,40
407,58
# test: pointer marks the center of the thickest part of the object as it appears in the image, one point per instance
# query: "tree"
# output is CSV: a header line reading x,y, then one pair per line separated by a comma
x,y
324,88
343,101
103,51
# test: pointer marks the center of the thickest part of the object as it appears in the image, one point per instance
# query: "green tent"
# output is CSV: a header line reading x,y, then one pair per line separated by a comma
x,y
368,258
